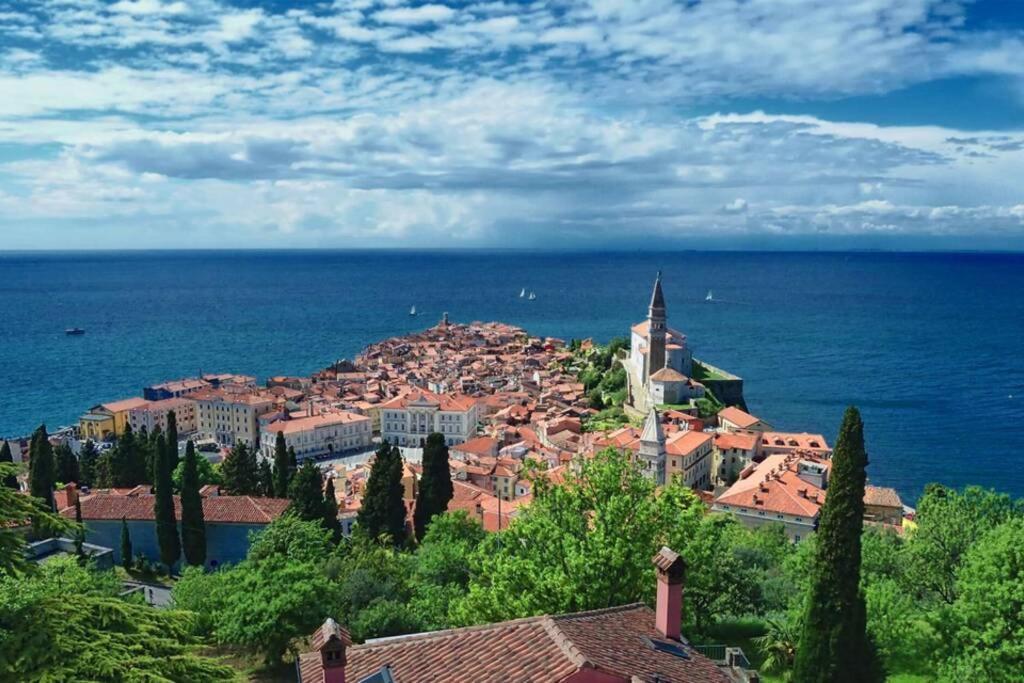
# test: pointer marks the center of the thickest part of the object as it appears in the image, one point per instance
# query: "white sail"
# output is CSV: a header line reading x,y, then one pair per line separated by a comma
x,y
709,297
412,311
532,296
522,293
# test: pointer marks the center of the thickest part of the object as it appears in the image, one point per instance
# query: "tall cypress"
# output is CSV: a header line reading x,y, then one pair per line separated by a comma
x,y
42,469
128,465
172,438
126,545
163,508
6,455
330,511
834,644
67,464
78,510
307,492
87,463
265,478
240,471
435,490
193,524
282,467
383,509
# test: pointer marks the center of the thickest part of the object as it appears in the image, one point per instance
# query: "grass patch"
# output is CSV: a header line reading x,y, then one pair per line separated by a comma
x,y
702,372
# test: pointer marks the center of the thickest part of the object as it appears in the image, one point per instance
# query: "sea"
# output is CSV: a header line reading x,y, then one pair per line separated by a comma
x,y
928,346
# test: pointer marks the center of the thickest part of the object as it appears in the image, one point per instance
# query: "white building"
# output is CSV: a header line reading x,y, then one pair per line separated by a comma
x,y
408,419
690,455
319,436
229,417
154,415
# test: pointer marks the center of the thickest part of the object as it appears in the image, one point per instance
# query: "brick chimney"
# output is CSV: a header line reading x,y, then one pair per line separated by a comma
x,y
331,640
668,612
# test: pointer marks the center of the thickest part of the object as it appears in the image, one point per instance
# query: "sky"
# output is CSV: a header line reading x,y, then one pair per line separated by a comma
x,y
585,124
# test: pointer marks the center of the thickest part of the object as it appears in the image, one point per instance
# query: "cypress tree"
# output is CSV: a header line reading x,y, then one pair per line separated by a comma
x,y
126,545
282,467
149,453
87,463
307,492
383,508
265,477
128,462
67,464
172,438
435,490
834,644
330,511
193,524
6,455
78,510
239,471
293,463
41,468
163,509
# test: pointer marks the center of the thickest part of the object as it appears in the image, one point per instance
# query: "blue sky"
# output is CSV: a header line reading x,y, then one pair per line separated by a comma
x,y
607,123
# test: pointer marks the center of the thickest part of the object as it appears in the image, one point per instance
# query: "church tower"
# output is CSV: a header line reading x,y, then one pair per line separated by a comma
x,y
657,327
652,448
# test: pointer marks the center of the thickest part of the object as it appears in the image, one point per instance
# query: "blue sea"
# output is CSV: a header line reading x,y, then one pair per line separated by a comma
x,y
929,346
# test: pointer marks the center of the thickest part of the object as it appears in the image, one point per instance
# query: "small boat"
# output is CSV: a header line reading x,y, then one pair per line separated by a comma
x,y
522,292
412,311
532,296
709,297
74,332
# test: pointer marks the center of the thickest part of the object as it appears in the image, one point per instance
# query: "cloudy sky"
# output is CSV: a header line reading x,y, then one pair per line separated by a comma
x,y
627,123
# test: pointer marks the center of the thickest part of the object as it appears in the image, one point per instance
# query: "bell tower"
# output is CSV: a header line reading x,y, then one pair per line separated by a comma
x,y
652,448
656,330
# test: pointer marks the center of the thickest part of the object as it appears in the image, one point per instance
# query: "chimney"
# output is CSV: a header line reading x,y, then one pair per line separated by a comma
x,y
331,640
668,612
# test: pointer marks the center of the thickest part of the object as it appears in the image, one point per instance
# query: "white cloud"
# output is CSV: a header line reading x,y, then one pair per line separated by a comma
x,y
422,14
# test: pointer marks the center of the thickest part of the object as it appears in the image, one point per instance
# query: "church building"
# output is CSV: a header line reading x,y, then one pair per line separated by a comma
x,y
660,362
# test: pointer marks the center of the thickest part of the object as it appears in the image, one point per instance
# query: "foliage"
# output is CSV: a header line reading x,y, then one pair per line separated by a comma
x,y
87,457
239,471
834,644
63,622
582,545
307,495
163,508
778,646
126,545
605,420
16,510
603,379
42,468
987,625
126,464
66,464
206,472
193,523
11,480
383,509
435,489
282,467
172,439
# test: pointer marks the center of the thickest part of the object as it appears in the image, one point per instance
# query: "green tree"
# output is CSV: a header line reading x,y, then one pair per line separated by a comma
x,y
441,575
383,508
987,617
193,524
834,643
172,438
949,523
126,545
435,488
66,623
128,460
206,473
239,471
163,508
330,511
87,463
584,544
10,481
265,478
307,492
66,464
15,510
42,470
282,467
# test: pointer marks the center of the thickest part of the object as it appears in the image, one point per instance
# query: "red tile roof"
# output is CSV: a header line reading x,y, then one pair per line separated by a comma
x,y
223,509
615,642
741,419
774,486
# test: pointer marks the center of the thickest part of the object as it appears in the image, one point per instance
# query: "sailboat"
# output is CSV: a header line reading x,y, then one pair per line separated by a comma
x,y
412,311
532,296
709,297
522,292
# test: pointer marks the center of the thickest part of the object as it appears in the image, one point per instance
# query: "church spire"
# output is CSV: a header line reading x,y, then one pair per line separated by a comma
x,y
657,297
657,325
652,448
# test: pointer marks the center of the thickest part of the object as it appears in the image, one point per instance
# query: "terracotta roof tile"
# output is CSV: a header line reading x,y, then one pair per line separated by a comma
x,y
223,509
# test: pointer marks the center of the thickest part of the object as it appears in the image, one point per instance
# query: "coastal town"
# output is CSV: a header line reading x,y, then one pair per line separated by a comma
x,y
501,399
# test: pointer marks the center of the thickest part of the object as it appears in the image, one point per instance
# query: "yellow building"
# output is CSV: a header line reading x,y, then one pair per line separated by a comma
x,y
107,420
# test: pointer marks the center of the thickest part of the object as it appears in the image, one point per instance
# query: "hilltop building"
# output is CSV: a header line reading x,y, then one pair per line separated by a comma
x,y
660,362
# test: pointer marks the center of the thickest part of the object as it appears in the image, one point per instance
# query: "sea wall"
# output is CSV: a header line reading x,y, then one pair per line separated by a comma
x,y
727,387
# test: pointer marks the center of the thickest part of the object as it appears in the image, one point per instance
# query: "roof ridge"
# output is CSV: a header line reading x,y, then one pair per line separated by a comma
x,y
600,611
565,644
445,633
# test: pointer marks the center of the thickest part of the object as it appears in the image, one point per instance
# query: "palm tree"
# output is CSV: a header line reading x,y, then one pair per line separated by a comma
x,y
778,646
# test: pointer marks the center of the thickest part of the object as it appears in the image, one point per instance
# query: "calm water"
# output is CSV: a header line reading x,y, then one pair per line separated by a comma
x,y
927,346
